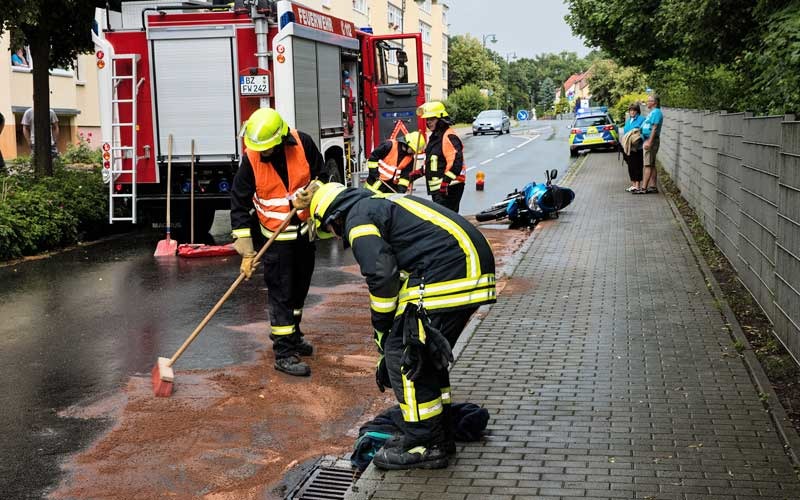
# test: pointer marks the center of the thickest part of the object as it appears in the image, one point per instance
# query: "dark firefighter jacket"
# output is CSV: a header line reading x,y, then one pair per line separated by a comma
x,y
244,185
401,242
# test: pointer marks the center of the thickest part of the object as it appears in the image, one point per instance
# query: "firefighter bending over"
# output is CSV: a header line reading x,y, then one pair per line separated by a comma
x,y
391,163
445,171
278,164
427,270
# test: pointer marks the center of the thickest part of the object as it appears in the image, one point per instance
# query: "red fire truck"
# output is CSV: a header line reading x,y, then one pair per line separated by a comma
x,y
195,73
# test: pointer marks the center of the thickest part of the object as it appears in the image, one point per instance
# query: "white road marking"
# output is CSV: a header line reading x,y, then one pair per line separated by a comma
x,y
500,155
511,150
484,162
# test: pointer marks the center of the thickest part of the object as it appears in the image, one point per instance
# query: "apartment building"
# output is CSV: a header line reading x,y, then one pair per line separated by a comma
x,y
73,97
385,17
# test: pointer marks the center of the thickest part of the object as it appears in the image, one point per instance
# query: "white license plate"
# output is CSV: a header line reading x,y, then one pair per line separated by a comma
x,y
254,85
594,136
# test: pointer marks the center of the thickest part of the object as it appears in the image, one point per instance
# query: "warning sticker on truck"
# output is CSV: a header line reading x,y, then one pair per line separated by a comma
x,y
254,85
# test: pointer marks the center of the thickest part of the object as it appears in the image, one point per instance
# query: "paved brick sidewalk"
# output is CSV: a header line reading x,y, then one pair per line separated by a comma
x,y
607,370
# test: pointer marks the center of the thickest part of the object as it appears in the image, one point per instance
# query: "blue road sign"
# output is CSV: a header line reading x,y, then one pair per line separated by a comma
x,y
522,115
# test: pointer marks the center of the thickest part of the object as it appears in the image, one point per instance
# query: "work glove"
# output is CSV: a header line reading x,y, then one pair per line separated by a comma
x,y
382,375
244,246
443,188
422,340
415,174
302,199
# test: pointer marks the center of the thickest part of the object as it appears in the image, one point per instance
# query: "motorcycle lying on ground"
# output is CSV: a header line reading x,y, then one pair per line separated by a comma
x,y
535,202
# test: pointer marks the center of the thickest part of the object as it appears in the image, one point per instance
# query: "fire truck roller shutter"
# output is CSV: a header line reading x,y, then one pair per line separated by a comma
x,y
195,92
306,89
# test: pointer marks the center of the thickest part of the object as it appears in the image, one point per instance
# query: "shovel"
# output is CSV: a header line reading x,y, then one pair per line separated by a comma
x,y
168,246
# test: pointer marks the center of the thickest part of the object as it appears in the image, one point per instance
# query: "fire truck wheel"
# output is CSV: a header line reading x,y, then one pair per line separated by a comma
x,y
334,171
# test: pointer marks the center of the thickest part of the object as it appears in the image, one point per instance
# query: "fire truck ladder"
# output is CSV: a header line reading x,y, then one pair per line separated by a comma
x,y
119,151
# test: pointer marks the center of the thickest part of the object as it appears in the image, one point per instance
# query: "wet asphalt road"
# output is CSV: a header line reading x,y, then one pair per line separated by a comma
x,y
77,325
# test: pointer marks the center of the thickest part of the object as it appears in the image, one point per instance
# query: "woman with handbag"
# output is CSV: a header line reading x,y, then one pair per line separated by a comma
x,y
632,146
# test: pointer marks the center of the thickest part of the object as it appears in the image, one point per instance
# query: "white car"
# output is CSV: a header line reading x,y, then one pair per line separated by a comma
x,y
491,120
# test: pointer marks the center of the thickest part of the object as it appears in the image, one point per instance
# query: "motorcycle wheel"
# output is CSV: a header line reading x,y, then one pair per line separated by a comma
x,y
491,214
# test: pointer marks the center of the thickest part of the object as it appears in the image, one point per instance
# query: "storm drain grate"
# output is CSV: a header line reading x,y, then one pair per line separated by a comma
x,y
325,483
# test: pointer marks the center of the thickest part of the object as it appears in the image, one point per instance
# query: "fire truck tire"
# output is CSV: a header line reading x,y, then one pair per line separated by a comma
x,y
334,171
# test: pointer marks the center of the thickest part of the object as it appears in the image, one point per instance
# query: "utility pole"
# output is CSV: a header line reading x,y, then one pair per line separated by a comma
x,y
510,56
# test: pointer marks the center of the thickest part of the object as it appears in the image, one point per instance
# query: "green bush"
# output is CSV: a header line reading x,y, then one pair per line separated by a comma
x,y
466,103
82,152
47,213
619,111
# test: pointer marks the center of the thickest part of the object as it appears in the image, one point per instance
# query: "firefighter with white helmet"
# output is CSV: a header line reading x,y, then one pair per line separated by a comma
x,y
445,171
428,270
279,162
391,163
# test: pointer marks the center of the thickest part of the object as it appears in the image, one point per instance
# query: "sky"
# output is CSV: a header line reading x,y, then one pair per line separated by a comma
x,y
527,27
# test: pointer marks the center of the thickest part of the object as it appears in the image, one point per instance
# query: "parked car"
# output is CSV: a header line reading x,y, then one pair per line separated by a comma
x,y
593,130
491,120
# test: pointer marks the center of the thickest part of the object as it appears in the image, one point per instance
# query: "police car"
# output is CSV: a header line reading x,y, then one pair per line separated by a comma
x,y
592,129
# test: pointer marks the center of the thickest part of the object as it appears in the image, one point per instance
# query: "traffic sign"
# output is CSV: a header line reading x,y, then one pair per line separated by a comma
x,y
522,115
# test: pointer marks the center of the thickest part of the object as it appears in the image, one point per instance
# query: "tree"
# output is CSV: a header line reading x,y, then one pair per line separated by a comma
x,y
56,32
470,63
610,81
465,103
547,93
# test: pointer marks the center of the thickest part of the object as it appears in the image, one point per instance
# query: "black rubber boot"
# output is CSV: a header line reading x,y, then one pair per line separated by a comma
x,y
304,348
293,366
418,457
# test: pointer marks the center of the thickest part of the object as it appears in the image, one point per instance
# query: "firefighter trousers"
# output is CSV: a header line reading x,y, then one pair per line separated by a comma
x,y
452,199
425,402
288,266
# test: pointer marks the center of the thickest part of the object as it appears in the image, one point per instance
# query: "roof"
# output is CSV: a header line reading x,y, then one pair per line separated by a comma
x,y
572,80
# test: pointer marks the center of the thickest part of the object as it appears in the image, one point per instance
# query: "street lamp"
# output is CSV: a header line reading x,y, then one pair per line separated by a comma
x,y
493,40
512,56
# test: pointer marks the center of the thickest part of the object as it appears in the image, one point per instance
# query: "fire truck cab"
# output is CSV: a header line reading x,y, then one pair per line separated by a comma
x,y
178,81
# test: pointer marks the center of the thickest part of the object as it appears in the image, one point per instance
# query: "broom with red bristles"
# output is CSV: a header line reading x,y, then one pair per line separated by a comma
x,y
162,375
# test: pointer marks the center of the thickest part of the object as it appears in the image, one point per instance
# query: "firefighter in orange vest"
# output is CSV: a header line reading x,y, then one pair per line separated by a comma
x,y
445,171
391,163
278,164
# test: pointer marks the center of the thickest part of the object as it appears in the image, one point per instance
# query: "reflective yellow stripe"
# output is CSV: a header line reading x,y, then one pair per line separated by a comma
x,y
241,233
456,300
409,409
450,174
382,304
372,165
403,182
420,450
363,230
374,187
473,262
447,287
446,396
434,163
435,183
430,409
288,234
282,330
378,340
421,330
297,312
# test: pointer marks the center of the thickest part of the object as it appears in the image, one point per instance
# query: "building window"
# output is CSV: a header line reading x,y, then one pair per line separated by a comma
x,y
425,29
427,92
425,6
395,16
427,60
360,6
444,71
445,41
444,16
444,93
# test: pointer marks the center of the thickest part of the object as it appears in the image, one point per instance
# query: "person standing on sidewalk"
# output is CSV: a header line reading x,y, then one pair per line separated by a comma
x,y
651,132
632,147
445,171
391,163
428,270
28,130
277,165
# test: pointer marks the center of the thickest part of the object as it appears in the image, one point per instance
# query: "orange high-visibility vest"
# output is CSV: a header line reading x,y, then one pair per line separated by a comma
x,y
272,198
389,168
